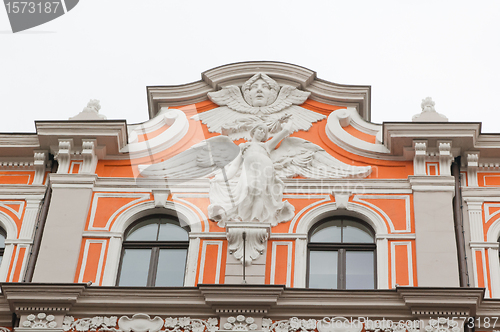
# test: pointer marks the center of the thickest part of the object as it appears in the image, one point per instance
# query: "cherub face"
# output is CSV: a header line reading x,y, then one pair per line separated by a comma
x,y
259,133
259,93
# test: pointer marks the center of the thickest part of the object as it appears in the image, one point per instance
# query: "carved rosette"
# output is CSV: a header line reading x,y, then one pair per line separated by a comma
x,y
248,239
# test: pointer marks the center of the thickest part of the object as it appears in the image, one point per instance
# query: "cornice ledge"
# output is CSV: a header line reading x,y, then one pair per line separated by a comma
x,y
223,297
423,299
23,297
72,180
109,133
438,183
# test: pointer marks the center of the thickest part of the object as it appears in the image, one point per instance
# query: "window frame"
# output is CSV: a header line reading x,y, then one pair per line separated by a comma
x,y
341,248
155,247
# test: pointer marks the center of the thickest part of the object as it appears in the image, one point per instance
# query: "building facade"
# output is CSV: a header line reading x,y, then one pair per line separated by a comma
x,y
258,198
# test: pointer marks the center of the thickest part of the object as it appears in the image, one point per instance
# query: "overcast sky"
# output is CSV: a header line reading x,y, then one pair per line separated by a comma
x,y
111,50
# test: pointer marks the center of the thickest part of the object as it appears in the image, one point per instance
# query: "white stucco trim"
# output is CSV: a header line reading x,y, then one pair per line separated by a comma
x,y
133,213
288,262
359,198
409,253
10,227
102,253
354,210
203,257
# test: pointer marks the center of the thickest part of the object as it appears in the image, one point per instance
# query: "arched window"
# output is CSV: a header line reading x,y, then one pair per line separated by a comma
x,y
154,253
341,254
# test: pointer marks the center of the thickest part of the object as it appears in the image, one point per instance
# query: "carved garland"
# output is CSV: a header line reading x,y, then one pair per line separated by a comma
x,y
143,323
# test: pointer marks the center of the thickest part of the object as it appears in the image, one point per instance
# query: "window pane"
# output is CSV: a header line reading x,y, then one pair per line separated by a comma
x,y
355,232
360,270
135,267
327,232
323,269
144,231
171,232
2,240
171,266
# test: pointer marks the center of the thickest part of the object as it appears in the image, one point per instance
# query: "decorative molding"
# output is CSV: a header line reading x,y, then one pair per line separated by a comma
x,y
293,324
445,157
139,323
289,260
40,161
472,166
63,155
39,321
89,156
219,245
420,157
251,235
240,323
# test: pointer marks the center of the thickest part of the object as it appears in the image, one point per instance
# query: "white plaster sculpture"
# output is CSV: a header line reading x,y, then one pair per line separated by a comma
x,y
429,113
90,112
262,100
247,183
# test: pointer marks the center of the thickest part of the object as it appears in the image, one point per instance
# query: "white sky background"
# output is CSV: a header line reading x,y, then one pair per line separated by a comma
x,y
111,50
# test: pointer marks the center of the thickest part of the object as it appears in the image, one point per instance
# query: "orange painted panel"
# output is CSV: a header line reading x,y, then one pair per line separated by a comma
x,y
395,209
361,135
19,265
401,253
16,177
489,179
106,206
479,266
75,167
17,208
211,264
281,264
92,264
432,168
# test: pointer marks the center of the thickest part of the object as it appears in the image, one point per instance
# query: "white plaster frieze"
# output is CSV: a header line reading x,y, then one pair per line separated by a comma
x,y
39,321
139,323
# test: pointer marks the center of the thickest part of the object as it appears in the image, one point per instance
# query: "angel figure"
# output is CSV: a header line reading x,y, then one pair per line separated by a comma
x,y
246,182
257,195
260,99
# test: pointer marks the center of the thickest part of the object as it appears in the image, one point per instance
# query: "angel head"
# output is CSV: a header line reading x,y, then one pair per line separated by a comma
x,y
260,90
259,132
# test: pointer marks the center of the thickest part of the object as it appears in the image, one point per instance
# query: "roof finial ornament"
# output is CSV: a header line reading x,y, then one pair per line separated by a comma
x,y
429,113
90,112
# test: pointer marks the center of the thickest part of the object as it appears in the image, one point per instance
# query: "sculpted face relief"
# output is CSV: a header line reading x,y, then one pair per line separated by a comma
x,y
259,93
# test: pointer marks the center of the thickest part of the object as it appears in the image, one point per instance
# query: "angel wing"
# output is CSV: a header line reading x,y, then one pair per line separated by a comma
x,y
287,97
298,157
198,161
231,97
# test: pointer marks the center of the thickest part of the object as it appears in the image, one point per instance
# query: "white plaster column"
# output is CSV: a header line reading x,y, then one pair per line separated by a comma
x,y
192,262
112,261
299,279
382,263
445,157
29,220
494,270
7,257
420,157
437,262
89,156
475,209
472,165
40,161
64,155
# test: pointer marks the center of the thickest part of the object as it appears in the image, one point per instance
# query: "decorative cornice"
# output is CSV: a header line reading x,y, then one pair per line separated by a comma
x,y
283,73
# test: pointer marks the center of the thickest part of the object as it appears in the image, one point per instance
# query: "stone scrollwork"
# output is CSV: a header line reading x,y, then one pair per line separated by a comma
x,y
189,324
89,324
139,323
250,241
40,321
293,324
442,325
339,324
240,323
